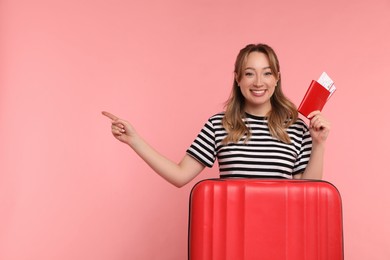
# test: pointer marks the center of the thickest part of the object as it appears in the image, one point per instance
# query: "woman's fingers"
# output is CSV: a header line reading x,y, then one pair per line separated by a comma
x,y
117,129
117,125
109,115
319,126
317,121
313,114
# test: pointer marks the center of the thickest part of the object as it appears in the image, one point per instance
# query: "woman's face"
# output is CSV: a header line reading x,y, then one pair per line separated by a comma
x,y
257,84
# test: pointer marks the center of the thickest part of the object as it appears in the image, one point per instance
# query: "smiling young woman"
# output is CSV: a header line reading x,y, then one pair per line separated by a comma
x,y
258,135
257,66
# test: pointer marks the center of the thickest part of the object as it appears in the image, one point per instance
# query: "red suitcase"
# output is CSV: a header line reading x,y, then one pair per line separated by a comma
x,y
272,219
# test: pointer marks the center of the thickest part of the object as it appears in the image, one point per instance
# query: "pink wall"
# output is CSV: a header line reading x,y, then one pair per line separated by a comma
x,y
68,190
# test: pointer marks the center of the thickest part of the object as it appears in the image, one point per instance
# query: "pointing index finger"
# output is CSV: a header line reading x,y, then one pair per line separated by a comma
x,y
109,115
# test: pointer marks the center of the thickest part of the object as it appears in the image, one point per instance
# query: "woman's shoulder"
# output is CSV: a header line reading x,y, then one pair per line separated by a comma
x,y
299,123
217,117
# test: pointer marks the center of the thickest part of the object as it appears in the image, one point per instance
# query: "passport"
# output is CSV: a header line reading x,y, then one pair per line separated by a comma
x,y
317,95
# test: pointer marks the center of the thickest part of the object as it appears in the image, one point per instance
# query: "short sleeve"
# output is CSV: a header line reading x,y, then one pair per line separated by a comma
x,y
303,156
203,147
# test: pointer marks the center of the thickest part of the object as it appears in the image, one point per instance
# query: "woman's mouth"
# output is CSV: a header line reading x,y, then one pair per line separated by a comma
x,y
258,92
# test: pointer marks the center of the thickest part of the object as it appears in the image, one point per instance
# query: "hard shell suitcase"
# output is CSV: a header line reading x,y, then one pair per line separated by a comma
x,y
272,219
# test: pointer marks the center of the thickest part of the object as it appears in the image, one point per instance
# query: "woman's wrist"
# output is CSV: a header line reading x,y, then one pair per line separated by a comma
x,y
318,146
135,141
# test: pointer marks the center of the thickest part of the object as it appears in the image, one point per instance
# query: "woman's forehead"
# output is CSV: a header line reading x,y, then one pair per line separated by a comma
x,y
256,60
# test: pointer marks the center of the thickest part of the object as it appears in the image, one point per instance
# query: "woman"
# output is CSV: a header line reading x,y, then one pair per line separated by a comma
x,y
258,135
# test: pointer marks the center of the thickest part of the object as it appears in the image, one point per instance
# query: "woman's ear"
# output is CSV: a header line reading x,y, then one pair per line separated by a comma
x,y
236,78
277,78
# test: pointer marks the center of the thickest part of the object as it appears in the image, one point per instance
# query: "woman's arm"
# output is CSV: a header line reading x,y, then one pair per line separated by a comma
x,y
178,174
319,131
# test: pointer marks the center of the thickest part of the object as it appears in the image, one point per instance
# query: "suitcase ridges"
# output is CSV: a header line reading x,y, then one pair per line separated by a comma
x,y
316,198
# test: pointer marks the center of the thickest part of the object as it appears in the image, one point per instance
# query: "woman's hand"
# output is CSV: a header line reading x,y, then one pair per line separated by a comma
x,y
121,129
319,127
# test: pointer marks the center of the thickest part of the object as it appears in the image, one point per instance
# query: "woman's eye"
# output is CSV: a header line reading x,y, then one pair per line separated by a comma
x,y
248,74
268,73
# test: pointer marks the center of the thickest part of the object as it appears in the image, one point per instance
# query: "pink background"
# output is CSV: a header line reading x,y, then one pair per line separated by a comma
x,y
68,190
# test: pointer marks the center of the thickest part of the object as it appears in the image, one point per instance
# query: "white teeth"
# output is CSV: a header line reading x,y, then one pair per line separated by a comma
x,y
258,91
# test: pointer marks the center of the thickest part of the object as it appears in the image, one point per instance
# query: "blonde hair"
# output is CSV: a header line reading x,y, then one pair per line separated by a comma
x,y
282,114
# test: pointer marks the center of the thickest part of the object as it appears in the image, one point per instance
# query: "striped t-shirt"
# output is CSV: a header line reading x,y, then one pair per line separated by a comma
x,y
260,156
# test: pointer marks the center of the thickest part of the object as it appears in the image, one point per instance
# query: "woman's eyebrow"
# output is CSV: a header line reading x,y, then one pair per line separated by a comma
x,y
251,68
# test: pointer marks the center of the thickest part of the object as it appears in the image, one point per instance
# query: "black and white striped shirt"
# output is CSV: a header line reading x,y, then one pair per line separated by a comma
x,y
260,156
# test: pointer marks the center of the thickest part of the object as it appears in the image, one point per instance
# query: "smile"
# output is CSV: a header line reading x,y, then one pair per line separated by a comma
x,y
259,92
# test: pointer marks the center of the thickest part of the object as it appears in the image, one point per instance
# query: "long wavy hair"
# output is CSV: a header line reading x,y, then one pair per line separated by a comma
x,y
283,112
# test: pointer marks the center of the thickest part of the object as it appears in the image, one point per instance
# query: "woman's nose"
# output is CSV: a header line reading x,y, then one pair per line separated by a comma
x,y
258,81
